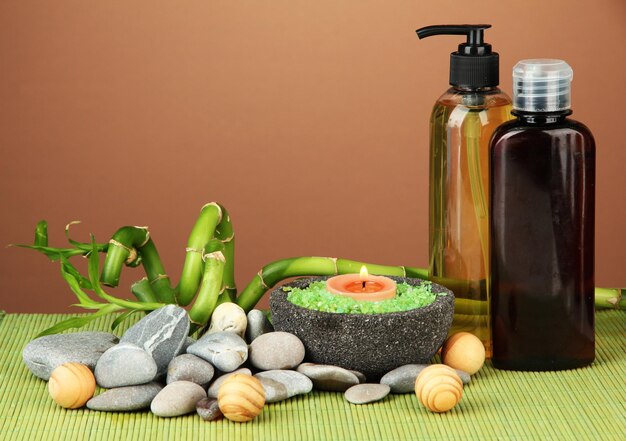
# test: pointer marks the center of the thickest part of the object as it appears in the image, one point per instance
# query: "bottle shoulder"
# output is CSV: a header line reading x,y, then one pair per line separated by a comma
x,y
517,128
480,99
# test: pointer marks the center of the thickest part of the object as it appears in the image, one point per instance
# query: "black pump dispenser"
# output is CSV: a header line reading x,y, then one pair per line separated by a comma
x,y
474,65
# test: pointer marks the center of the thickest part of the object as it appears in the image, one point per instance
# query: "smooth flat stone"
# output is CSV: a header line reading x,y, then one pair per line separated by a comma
x,y
327,377
276,350
177,398
215,386
367,393
224,350
402,380
282,384
125,399
162,334
229,317
44,354
125,365
208,409
188,367
359,375
258,324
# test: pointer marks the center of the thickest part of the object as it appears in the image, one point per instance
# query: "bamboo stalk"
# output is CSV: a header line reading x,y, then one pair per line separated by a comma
x,y
157,277
224,232
201,234
122,249
211,286
610,298
143,291
277,271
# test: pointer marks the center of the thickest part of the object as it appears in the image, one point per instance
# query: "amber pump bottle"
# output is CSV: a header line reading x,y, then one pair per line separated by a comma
x,y
542,227
461,124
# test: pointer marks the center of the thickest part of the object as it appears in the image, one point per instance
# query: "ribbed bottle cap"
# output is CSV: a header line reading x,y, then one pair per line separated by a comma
x,y
542,85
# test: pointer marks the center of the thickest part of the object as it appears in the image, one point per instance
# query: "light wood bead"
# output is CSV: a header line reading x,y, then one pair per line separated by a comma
x,y
71,385
464,351
439,388
241,398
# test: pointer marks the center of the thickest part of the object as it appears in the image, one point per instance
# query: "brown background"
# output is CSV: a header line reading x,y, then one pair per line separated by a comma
x,y
308,120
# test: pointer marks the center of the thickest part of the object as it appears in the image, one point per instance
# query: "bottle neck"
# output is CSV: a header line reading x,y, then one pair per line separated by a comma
x,y
464,89
542,118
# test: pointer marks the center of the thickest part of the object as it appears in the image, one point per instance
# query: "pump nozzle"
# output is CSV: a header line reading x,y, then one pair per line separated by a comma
x,y
474,65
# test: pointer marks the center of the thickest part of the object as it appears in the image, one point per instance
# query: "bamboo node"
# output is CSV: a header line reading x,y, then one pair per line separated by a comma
x,y
142,244
334,259
260,275
159,277
121,245
219,210
217,255
132,256
194,250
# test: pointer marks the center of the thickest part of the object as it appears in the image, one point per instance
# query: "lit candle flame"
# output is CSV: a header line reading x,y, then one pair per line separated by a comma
x,y
363,274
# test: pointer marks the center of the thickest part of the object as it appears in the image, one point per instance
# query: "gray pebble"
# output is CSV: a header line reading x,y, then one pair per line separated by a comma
x,y
367,393
125,365
282,384
162,334
402,380
124,399
224,350
188,367
327,377
177,398
188,342
215,386
208,409
44,354
359,375
258,324
276,350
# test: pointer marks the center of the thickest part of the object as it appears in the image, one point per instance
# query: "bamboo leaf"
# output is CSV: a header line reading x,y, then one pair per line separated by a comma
x,y
41,234
94,277
53,254
83,281
118,321
75,286
86,247
77,322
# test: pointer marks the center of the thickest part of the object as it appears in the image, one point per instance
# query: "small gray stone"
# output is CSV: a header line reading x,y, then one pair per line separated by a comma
x,y
402,380
208,409
162,334
188,342
42,355
177,398
359,375
215,386
367,393
188,367
276,350
125,365
224,350
327,377
258,324
282,384
465,377
124,399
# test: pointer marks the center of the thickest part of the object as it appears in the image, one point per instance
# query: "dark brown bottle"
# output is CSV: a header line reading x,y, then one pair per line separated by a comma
x,y
542,179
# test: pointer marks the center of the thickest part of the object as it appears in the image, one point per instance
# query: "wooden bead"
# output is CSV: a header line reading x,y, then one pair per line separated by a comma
x,y
439,388
241,397
71,385
464,351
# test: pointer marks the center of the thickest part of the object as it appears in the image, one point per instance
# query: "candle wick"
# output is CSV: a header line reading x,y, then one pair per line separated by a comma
x,y
363,285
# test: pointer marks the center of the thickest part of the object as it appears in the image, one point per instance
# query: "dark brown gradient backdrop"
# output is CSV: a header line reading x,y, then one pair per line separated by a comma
x,y
308,120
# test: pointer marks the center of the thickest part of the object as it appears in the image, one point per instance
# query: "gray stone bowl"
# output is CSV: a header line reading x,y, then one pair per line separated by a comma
x,y
373,344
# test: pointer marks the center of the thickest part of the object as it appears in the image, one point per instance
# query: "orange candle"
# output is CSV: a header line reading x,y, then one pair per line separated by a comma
x,y
362,286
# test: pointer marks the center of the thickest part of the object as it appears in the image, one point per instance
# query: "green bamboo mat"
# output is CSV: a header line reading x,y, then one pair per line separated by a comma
x,y
580,404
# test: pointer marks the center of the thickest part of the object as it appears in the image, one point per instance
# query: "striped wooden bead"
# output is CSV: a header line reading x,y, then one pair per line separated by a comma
x,y
241,398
